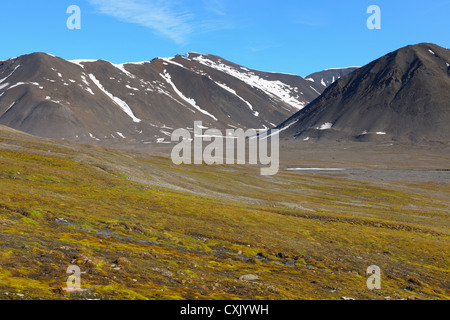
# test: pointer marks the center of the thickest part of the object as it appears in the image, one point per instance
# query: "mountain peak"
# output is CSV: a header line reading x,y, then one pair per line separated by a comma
x,y
402,96
97,101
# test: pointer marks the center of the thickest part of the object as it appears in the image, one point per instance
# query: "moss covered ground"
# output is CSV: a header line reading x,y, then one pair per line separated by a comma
x,y
140,227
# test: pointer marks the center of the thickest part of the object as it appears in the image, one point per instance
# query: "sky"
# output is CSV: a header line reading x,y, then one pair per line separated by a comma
x,y
290,36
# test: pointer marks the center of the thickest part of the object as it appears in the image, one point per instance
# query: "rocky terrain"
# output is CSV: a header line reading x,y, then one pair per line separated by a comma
x,y
95,101
402,96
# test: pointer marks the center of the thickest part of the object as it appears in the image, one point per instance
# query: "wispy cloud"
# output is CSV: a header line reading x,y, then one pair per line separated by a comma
x,y
161,16
170,18
216,6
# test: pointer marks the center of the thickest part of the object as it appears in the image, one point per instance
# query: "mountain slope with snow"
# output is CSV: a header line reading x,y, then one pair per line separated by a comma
x,y
402,96
92,101
329,76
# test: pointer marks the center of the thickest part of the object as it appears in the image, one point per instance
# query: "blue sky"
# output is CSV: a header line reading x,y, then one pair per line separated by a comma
x,y
291,36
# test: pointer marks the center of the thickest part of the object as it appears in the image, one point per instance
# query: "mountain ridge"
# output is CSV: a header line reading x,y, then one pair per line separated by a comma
x,y
402,96
329,76
97,101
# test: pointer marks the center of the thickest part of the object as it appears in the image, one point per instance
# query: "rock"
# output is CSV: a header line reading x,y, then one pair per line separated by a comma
x,y
57,290
122,262
347,298
417,282
281,255
165,273
80,259
412,298
71,290
248,277
261,255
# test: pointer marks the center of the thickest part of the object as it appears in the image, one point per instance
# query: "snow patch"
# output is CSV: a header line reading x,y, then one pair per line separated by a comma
x,y
80,62
50,99
275,89
255,113
22,83
90,91
92,136
139,63
342,68
122,104
169,60
129,87
1,80
325,126
121,67
316,90
192,102
84,80
275,131
121,135
12,105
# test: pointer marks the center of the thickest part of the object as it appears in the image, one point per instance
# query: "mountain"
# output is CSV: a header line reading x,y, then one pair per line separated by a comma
x,y
402,96
95,101
329,76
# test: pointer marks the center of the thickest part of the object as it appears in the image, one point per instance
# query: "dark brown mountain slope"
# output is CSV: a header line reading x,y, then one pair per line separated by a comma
x,y
402,96
95,101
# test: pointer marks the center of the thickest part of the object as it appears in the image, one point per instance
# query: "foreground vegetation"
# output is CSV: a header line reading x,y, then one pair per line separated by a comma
x,y
140,227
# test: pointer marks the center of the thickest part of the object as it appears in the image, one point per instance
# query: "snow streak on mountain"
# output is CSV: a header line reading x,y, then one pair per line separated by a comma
x,y
95,101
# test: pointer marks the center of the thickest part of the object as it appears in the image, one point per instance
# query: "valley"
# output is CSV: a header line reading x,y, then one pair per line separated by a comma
x,y
88,180
140,227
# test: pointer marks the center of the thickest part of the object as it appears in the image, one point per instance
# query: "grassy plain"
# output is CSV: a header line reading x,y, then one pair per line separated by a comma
x,y
141,227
